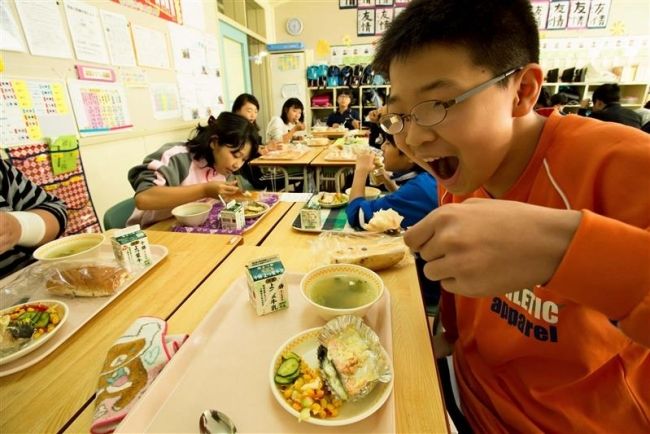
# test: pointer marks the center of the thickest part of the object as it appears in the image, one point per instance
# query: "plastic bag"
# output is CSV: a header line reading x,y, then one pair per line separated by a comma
x,y
370,250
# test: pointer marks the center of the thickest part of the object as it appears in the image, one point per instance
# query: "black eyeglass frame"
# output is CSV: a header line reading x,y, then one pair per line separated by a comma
x,y
444,104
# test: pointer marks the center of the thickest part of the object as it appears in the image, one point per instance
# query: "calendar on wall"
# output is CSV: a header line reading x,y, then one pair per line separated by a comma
x,y
100,108
31,110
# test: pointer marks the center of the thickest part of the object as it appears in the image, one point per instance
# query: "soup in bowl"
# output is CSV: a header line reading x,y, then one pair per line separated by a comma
x,y
72,247
192,214
341,289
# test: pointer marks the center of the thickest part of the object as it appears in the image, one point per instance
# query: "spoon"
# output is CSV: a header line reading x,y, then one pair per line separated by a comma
x,y
215,422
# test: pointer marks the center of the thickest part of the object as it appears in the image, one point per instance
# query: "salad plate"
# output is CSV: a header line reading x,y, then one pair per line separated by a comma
x,y
253,209
27,326
305,344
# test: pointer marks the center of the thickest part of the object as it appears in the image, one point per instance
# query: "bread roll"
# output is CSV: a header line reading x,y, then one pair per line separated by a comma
x,y
86,281
374,258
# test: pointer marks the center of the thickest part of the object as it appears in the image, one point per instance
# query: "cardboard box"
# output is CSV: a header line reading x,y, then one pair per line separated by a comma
x,y
267,286
131,247
232,216
310,217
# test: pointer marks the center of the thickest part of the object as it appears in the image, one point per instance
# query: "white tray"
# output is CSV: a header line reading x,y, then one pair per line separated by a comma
x,y
224,365
82,310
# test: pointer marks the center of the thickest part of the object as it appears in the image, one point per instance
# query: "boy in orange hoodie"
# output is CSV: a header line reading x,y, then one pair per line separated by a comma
x,y
542,239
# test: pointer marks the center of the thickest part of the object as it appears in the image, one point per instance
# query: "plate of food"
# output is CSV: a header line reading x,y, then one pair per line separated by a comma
x,y
27,326
253,209
305,382
332,200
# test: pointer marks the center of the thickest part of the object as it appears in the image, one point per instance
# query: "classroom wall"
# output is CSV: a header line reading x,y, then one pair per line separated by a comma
x,y
322,19
107,158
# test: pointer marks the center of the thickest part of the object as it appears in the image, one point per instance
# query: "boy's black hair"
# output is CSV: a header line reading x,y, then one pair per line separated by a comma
x,y
498,34
559,98
344,92
391,140
229,130
292,103
607,93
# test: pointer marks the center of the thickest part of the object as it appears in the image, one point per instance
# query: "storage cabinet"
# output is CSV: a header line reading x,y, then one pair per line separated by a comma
x,y
322,101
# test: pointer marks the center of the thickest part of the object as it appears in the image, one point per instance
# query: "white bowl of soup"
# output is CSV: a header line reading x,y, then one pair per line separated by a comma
x,y
78,246
192,214
341,289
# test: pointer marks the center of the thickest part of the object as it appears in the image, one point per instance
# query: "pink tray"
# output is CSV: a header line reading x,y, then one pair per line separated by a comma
x,y
225,365
82,310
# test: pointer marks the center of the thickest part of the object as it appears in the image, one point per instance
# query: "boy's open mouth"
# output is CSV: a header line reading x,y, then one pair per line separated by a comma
x,y
444,167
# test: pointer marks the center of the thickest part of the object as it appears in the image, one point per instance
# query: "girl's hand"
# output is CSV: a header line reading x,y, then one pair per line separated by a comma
x,y
216,188
365,162
299,126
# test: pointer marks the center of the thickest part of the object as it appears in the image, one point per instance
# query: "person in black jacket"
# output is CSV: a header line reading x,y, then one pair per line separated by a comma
x,y
607,106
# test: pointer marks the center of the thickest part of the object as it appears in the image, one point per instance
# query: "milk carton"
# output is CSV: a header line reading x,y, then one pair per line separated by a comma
x,y
310,215
131,247
267,286
232,216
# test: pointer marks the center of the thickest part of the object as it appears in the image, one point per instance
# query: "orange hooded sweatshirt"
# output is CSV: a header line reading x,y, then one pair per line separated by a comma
x,y
573,355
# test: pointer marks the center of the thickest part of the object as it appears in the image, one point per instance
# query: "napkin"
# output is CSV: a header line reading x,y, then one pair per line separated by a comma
x,y
131,365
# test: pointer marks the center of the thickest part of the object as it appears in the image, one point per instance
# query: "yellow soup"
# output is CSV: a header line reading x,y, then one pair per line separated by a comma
x,y
342,292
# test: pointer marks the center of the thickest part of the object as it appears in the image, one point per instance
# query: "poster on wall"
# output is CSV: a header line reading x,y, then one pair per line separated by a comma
x,y
166,9
347,4
383,18
540,11
44,31
10,38
558,15
598,14
86,32
33,109
118,38
365,22
578,12
150,47
165,100
100,108
366,3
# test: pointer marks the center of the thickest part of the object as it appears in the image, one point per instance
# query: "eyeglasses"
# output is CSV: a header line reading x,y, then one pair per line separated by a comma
x,y
432,112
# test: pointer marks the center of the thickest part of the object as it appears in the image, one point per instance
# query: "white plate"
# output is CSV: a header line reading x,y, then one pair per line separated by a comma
x,y
305,344
259,213
333,205
32,344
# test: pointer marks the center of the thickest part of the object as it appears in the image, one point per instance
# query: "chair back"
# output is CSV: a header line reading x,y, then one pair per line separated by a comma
x,y
117,215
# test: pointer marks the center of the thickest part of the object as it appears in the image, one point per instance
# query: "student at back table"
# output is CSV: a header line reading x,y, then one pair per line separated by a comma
x,y
541,239
344,116
607,106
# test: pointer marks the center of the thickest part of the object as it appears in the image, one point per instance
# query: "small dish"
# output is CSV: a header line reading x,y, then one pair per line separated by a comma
x,y
354,296
305,344
338,200
192,214
10,354
369,193
73,246
252,209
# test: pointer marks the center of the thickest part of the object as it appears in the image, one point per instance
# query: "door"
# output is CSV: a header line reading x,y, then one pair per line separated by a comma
x,y
236,69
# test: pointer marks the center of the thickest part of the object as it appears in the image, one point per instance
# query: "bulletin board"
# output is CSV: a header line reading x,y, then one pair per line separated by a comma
x,y
147,105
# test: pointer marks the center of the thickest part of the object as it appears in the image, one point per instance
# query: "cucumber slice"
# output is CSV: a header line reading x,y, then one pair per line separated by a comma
x,y
291,355
288,367
283,380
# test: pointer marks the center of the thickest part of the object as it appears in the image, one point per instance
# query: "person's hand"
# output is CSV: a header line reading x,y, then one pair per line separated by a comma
x,y
365,162
488,247
374,116
356,124
216,188
585,103
10,233
299,126
336,125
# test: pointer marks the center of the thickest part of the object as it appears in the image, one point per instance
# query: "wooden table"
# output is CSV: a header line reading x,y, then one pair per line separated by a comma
x,y
320,161
281,164
418,404
253,236
47,396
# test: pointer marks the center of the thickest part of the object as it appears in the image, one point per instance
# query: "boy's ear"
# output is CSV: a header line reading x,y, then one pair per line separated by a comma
x,y
529,83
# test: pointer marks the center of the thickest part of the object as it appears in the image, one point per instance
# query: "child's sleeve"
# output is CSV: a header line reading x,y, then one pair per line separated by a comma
x,y
156,170
275,129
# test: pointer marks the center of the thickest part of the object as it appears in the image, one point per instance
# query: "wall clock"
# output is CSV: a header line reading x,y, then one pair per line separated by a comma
x,y
294,26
